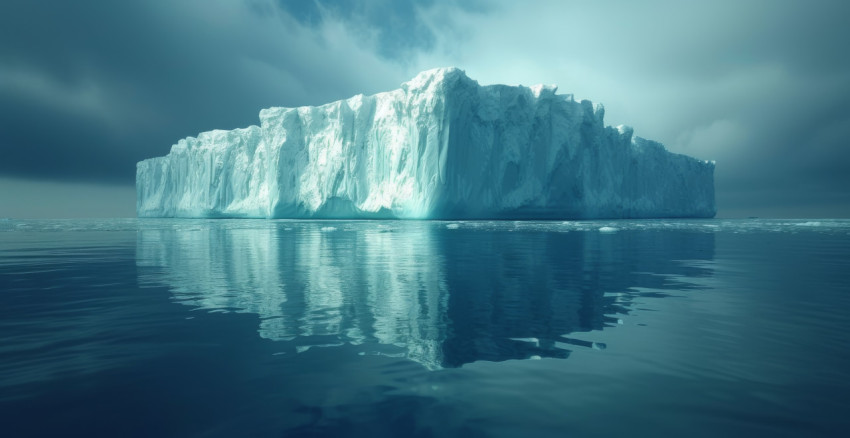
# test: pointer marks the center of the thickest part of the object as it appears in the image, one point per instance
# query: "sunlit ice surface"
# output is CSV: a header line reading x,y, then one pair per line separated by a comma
x,y
391,328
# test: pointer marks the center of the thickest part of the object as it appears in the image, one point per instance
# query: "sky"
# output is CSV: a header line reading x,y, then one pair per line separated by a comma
x,y
88,88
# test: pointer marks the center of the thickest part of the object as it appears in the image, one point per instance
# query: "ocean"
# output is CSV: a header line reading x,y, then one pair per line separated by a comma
x,y
279,328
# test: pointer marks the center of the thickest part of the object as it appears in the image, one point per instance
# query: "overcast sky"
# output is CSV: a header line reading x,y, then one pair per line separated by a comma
x,y
88,88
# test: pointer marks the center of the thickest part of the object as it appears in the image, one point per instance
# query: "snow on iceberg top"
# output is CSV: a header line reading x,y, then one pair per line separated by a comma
x,y
433,77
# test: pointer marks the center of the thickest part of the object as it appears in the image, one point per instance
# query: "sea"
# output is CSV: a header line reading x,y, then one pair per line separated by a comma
x,y
284,328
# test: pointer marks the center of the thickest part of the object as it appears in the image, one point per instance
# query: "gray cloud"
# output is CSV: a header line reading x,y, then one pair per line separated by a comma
x,y
89,88
397,30
393,28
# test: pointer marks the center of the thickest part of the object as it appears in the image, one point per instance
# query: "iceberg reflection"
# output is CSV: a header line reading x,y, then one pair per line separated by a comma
x,y
440,295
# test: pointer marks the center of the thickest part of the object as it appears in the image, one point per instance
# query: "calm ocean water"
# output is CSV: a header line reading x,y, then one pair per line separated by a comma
x,y
254,328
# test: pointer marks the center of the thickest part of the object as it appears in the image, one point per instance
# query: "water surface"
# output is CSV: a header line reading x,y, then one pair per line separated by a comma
x,y
215,328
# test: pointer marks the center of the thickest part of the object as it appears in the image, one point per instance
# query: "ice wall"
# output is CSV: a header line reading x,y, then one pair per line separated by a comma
x,y
441,146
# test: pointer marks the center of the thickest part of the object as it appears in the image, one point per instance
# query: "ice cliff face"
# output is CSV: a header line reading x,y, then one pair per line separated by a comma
x,y
442,146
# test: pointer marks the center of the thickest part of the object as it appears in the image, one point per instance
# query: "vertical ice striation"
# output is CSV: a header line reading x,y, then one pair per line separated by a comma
x,y
441,146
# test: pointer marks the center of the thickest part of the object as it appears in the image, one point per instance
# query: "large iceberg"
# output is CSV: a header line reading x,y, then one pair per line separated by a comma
x,y
442,146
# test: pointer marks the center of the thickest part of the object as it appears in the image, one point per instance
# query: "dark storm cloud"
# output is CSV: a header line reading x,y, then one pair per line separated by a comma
x,y
397,27
788,83
89,88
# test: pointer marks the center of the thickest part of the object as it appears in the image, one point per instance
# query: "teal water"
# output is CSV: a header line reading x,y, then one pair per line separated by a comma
x,y
218,328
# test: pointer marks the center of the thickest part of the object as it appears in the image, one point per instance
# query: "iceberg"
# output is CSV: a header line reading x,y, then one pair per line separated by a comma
x,y
440,147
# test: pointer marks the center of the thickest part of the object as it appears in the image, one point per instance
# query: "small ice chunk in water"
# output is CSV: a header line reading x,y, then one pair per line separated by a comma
x,y
534,341
608,230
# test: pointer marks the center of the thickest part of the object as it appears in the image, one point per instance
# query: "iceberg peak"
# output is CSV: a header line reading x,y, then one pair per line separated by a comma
x,y
435,79
442,146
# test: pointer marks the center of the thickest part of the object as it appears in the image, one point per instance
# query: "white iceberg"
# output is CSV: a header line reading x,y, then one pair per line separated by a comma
x,y
440,147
